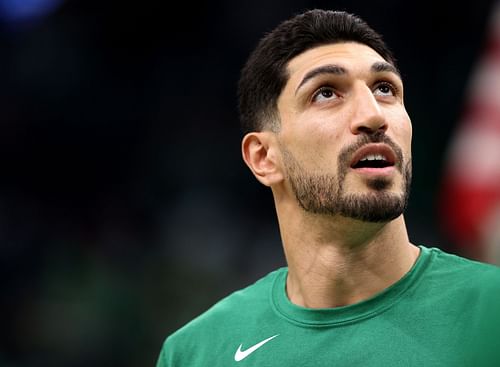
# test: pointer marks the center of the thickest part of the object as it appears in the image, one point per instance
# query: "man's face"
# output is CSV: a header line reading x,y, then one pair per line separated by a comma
x,y
345,136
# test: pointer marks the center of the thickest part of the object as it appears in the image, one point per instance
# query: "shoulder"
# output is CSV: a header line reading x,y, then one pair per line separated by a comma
x,y
473,287
245,306
453,264
462,274
246,301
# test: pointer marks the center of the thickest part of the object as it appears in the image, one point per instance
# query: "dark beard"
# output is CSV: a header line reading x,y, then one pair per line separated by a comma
x,y
324,194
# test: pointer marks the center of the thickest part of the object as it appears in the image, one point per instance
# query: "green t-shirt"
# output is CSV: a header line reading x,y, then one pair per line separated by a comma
x,y
444,312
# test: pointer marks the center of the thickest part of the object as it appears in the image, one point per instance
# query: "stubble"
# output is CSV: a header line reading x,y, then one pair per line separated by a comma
x,y
322,193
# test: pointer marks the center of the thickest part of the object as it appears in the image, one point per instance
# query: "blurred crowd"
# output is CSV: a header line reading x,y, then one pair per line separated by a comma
x,y
125,207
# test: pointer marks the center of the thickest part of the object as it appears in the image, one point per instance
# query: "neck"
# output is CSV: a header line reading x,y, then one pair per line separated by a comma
x,y
336,262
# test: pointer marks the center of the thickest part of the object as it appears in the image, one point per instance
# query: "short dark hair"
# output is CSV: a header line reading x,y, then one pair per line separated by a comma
x,y
265,74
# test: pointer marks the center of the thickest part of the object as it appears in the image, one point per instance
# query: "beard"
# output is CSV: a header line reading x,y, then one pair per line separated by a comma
x,y
326,194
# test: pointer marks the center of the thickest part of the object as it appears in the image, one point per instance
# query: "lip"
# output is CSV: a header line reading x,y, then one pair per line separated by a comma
x,y
375,172
374,148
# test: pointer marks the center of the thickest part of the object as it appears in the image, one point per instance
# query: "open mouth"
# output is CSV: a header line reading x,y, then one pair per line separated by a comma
x,y
372,161
373,156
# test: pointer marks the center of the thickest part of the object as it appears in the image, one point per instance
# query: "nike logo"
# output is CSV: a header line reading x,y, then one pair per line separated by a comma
x,y
242,354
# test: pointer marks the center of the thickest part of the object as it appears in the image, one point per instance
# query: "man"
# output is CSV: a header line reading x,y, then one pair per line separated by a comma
x,y
321,103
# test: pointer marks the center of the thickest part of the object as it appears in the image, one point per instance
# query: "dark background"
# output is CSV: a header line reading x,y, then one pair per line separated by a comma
x,y
125,207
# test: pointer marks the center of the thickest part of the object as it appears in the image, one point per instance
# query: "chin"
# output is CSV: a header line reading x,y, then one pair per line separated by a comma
x,y
379,184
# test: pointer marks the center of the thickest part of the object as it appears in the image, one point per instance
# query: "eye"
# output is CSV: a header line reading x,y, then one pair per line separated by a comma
x,y
324,94
385,89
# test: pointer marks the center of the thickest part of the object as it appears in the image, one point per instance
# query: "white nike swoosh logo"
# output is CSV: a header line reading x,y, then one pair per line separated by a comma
x,y
242,354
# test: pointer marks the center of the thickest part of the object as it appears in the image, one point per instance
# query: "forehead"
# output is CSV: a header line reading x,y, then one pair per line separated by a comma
x,y
354,57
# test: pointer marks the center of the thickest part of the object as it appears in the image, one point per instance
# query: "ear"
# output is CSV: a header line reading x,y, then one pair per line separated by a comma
x,y
259,150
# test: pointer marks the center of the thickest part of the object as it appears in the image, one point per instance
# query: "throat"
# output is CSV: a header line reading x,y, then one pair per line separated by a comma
x,y
339,278
330,277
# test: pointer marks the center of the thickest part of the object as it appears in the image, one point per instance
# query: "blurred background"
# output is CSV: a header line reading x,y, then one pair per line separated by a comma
x,y
125,207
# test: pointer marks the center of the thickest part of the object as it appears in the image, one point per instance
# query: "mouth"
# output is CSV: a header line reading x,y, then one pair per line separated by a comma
x,y
374,157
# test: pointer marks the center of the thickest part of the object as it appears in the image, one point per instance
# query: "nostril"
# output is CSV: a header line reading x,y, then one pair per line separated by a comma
x,y
371,128
365,129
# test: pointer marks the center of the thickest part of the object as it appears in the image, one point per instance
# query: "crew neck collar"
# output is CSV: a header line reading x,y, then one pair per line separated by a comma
x,y
346,314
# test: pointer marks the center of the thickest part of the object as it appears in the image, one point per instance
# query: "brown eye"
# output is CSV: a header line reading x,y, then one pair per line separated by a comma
x,y
324,94
385,89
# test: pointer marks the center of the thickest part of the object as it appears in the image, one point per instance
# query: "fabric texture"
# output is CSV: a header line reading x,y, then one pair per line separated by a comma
x,y
444,312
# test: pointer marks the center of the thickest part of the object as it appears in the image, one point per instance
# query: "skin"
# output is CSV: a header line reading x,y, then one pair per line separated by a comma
x,y
334,260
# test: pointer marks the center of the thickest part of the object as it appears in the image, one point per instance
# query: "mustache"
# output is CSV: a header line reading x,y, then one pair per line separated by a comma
x,y
364,139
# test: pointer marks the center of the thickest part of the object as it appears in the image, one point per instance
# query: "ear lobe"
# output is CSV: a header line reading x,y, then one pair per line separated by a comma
x,y
258,150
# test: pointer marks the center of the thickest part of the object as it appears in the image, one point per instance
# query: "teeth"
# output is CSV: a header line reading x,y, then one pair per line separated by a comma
x,y
374,157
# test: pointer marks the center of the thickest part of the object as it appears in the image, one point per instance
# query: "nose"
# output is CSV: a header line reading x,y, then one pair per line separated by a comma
x,y
367,114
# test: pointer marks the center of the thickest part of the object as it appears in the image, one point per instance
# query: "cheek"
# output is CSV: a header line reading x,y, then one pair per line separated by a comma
x,y
322,143
401,127
404,138
310,132
315,151
407,131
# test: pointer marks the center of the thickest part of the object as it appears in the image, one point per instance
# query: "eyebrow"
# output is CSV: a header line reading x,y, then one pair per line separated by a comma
x,y
325,69
377,67
380,67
